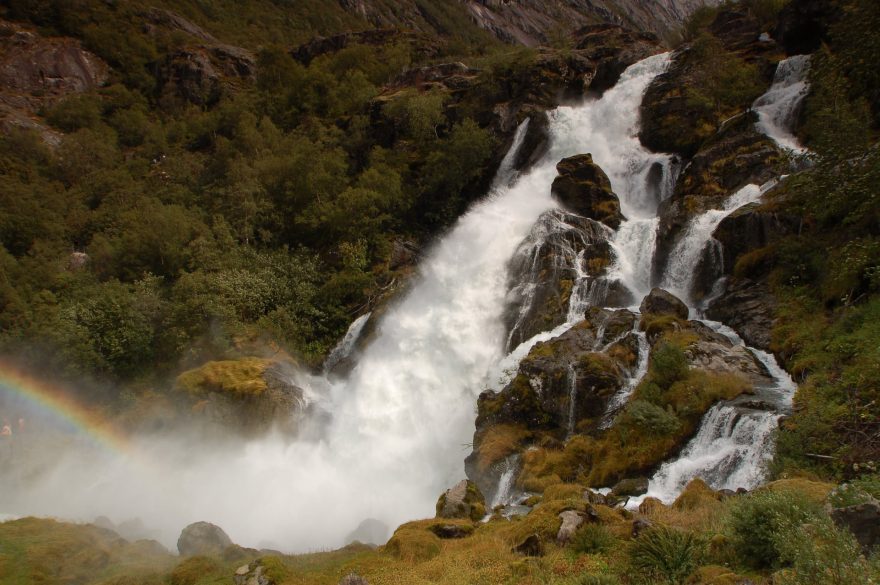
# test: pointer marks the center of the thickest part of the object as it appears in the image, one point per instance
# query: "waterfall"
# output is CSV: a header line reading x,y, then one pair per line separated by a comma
x,y
398,424
504,493
345,346
620,399
779,107
572,398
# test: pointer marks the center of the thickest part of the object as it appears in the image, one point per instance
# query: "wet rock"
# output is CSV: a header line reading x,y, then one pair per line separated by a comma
x,y
749,308
463,500
353,579
640,525
714,352
202,538
661,302
531,546
451,531
863,520
535,143
546,267
635,486
750,228
571,521
582,187
370,531
568,366
403,253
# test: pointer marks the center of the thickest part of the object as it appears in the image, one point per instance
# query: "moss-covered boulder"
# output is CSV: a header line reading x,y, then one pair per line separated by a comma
x,y
248,394
463,500
663,302
582,187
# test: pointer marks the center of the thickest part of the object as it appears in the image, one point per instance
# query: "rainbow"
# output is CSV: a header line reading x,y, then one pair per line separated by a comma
x,y
55,400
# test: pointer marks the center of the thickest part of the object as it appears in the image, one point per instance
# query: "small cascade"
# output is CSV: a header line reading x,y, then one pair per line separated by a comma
x,y
345,346
689,249
572,398
779,108
622,397
504,494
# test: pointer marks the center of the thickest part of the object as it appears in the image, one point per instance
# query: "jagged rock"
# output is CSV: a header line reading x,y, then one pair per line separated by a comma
x,y
200,75
568,365
714,352
749,308
370,531
802,25
463,500
545,267
403,253
640,525
592,514
594,498
202,538
535,143
571,521
634,486
863,520
661,302
583,188
449,531
353,579
531,546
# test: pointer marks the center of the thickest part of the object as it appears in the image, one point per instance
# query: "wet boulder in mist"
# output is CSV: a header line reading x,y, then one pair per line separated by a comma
x,y
249,395
748,307
463,500
582,187
632,486
662,302
202,538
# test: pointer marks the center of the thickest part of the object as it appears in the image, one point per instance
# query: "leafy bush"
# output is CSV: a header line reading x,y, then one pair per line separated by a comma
x,y
651,417
855,492
757,523
666,555
592,538
668,365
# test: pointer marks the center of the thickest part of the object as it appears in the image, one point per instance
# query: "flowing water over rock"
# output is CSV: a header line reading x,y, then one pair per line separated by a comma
x,y
779,107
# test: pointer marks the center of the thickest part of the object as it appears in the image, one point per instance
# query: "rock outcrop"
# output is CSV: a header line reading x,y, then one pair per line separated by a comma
x,y
662,302
202,538
463,500
571,521
749,308
863,520
560,248
582,187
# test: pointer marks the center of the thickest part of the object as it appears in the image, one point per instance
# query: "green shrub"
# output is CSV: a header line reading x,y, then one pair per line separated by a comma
x,y
757,522
592,539
656,420
668,365
79,111
855,492
823,553
666,555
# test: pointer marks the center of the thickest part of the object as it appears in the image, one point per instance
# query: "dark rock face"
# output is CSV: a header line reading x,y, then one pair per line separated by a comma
x,y
199,75
202,538
545,267
863,520
661,302
803,24
463,500
749,308
451,531
582,187
569,365
535,144
749,228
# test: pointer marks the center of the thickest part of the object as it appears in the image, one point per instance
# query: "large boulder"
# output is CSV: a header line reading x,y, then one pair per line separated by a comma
x,y
662,302
571,521
863,520
582,187
202,538
750,228
632,486
547,266
463,500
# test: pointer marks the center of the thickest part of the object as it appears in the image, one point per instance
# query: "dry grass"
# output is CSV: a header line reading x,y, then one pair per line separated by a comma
x,y
242,377
498,442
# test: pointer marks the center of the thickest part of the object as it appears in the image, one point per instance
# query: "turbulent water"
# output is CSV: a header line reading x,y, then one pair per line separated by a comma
x,y
399,423
779,107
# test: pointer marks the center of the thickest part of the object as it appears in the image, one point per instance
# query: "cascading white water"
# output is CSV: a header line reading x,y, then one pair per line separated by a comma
x,y
344,348
682,267
778,108
504,494
621,397
735,439
399,423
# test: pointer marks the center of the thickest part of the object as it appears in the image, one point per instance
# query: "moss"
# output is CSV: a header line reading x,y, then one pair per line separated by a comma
x,y
814,491
195,570
564,491
241,378
656,325
498,442
414,542
695,495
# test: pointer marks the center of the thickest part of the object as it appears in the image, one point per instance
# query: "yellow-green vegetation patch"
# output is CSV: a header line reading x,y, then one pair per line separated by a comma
x,y
198,570
695,495
497,442
414,541
242,377
815,491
